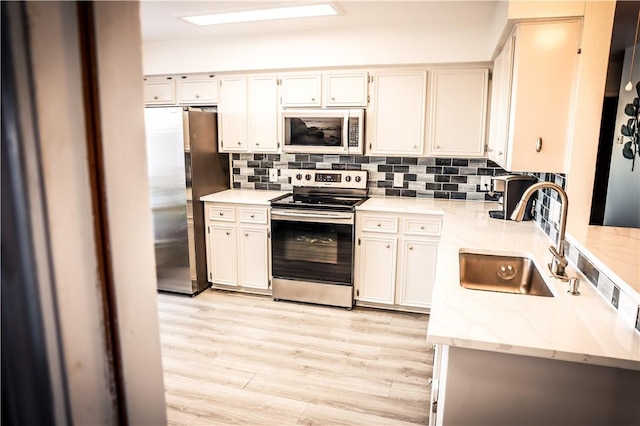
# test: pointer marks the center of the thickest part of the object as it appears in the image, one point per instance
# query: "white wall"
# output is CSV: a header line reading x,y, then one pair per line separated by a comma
x,y
623,194
441,43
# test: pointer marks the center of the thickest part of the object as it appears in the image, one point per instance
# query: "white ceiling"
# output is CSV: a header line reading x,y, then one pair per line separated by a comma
x,y
160,19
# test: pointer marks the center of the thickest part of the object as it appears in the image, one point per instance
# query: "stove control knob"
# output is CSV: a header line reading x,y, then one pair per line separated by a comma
x,y
347,178
307,177
299,176
358,178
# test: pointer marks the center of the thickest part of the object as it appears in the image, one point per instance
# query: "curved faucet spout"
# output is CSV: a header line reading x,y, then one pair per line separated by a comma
x,y
559,262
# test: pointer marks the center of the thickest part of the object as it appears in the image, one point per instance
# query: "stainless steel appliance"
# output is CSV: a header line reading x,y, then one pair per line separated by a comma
x,y
313,233
511,187
183,164
325,131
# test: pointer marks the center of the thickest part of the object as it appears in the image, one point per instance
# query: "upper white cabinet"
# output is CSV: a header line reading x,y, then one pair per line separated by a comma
x,y
198,89
263,123
301,90
346,89
396,115
500,100
232,113
248,113
458,111
159,90
537,109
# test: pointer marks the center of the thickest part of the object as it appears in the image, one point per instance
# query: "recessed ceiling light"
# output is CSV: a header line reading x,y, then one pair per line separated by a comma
x,y
263,15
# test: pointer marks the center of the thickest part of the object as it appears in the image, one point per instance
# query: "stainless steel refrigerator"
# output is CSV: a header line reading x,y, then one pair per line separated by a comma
x,y
183,164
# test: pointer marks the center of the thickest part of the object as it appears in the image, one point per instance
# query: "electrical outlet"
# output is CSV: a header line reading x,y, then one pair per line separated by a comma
x,y
398,180
485,183
273,175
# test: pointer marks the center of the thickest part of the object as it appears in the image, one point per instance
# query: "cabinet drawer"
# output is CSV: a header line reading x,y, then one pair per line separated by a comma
x,y
221,213
420,226
380,224
248,215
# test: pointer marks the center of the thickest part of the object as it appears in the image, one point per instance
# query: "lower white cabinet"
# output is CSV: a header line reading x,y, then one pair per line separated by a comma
x,y
238,246
396,259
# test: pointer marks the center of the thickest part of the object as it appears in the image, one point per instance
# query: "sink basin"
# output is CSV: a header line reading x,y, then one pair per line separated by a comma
x,y
501,273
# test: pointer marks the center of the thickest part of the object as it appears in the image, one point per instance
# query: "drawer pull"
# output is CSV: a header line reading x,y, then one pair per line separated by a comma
x,y
221,214
155,97
410,247
422,227
228,233
252,216
388,245
246,234
197,96
379,225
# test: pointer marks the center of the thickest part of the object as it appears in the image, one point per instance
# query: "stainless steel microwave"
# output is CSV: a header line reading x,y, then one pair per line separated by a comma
x,y
324,131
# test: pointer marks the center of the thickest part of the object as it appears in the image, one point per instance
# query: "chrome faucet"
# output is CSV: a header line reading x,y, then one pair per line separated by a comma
x,y
558,262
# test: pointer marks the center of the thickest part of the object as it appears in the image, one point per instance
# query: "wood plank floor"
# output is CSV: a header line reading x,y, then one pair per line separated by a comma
x,y
233,358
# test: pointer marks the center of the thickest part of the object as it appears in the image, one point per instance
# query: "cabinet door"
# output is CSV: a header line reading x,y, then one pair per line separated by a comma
x,y
417,272
346,89
253,258
198,90
232,114
500,99
396,123
263,113
458,112
377,269
223,254
301,90
159,91
544,68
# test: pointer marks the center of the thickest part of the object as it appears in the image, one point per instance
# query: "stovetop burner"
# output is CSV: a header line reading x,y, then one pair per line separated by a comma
x,y
317,189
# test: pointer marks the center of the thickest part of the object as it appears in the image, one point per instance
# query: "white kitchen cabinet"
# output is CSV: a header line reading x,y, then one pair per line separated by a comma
x,y
160,90
458,112
222,259
301,90
199,89
396,258
377,272
539,105
500,101
346,89
263,121
238,246
248,113
396,116
232,114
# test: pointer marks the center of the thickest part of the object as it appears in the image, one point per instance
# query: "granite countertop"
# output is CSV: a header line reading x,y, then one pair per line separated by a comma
x,y
580,328
244,196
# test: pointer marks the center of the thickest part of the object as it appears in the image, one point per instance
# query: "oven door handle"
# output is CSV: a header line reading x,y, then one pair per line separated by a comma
x,y
315,217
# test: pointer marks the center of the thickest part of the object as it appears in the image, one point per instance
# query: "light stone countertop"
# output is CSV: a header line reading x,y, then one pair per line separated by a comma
x,y
244,196
580,328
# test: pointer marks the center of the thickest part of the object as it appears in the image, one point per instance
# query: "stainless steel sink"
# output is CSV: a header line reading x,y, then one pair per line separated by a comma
x,y
501,273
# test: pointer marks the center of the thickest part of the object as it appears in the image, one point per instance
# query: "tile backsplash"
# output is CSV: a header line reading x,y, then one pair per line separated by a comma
x,y
424,177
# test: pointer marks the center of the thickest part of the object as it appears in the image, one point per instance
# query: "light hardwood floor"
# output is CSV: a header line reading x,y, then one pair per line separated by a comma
x,y
233,358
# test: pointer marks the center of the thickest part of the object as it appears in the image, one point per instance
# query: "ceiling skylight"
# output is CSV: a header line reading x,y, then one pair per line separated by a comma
x,y
262,15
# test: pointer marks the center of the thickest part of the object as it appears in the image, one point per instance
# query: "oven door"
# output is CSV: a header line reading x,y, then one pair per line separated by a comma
x,y
312,246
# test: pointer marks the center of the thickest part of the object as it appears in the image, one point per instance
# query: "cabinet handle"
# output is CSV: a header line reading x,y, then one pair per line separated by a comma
x,y
239,143
379,225
257,143
410,247
221,214
489,150
252,216
539,145
228,233
388,245
333,98
415,147
197,96
155,97
422,227
313,99
437,146
499,153
246,234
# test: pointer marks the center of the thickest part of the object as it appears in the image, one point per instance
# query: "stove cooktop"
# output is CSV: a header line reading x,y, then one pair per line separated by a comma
x,y
320,201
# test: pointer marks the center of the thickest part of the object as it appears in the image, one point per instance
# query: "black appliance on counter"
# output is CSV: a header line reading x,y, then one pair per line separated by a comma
x,y
313,234
511,187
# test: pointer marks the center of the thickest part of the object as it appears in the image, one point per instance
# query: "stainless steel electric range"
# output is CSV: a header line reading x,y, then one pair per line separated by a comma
x,y
313,232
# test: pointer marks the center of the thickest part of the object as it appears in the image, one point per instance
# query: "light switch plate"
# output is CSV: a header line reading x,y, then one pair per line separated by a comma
x,y
398,180
273,175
